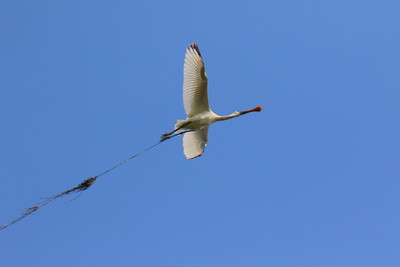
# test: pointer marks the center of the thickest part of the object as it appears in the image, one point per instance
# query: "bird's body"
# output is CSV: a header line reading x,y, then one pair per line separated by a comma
x,y
198,121
195,101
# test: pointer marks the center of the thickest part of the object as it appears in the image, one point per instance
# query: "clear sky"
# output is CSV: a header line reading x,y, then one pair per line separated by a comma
x,y
312,180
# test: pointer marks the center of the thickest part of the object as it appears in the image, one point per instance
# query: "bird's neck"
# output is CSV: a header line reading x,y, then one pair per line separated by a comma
x,y
227,117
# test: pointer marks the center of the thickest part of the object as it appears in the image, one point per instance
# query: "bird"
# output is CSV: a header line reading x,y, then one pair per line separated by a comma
x,y
195,101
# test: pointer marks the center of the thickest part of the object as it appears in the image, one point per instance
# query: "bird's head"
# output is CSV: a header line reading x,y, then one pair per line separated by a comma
x,y
256,109
235,114
238,113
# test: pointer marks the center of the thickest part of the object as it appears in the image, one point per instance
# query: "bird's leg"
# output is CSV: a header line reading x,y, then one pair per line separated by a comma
x,y
163,138
174,131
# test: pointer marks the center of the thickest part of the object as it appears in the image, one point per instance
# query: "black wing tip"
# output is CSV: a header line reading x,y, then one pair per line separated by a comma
x,y
195,47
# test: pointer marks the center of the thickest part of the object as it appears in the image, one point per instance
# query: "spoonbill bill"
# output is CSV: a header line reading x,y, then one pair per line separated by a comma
x,y
195,102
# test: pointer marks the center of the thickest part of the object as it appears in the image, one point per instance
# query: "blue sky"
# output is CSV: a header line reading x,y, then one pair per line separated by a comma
x,y
312,180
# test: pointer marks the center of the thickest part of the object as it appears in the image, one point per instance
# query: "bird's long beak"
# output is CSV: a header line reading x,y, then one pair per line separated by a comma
x,y
258,109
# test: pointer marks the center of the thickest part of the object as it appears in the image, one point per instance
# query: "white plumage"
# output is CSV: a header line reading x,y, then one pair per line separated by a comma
x,y
195,81
195,102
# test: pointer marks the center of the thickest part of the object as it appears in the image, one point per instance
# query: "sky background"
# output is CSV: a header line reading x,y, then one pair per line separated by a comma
x,y
312,180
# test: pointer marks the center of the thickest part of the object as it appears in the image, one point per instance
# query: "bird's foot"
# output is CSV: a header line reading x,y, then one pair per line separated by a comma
x,y
165,136
169,135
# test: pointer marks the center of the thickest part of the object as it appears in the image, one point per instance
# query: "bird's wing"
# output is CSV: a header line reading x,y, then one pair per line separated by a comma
x,y
195,98
195,142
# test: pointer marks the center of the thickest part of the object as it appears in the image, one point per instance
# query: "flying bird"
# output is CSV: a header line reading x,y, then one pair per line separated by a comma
x,y
195,102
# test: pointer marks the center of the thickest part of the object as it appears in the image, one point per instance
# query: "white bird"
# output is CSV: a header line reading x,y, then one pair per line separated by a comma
x,y
195,101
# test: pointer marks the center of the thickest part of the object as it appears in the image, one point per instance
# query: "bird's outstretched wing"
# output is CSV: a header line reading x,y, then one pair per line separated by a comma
x,y
195,142
195,98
